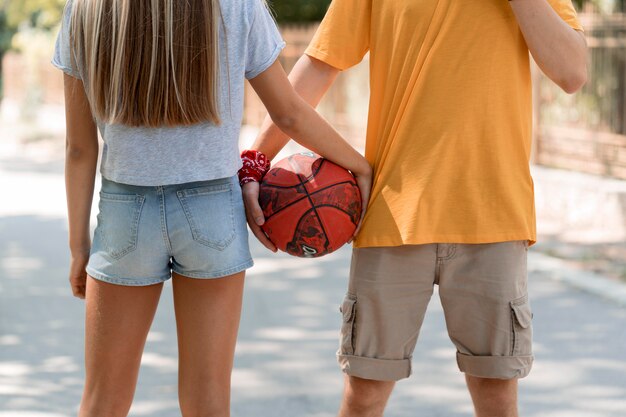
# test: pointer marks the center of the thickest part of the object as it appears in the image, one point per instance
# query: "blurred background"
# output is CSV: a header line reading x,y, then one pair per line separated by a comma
x,y
285,359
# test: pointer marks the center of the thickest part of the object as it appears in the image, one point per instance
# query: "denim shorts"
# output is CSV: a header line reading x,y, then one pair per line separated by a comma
x,y
196,229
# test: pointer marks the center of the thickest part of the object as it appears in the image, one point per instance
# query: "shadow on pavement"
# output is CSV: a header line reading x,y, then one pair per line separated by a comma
x,y
41,327
285,362
605,258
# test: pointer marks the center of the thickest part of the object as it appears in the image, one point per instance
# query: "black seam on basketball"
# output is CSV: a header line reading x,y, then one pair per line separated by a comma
x,y
319,219
334,185
338,208
313,173
306,196
302,219
314,192
308,179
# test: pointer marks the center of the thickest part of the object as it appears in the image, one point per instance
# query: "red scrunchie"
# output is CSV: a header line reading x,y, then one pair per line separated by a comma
x,y
255,166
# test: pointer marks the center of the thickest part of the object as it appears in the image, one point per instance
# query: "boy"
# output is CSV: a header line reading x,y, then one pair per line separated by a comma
x,y
449,137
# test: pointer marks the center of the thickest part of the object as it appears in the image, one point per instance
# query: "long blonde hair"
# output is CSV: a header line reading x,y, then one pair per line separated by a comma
x,y
148,62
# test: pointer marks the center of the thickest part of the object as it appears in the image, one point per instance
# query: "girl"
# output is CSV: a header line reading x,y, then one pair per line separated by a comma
x,y
163,82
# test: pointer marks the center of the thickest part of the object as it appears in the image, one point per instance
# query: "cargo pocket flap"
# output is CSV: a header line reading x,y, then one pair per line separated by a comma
x,y
347,309
522,312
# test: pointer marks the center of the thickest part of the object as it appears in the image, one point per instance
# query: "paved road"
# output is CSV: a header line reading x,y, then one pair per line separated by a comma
x,y
285,365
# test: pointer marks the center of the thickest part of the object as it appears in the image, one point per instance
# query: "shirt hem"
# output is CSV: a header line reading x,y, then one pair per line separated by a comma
x,y
279,47
325,57
576,25
383,241
150,182
65,69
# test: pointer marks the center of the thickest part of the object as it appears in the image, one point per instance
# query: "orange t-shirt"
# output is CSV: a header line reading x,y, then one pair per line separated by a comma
x,y
450,116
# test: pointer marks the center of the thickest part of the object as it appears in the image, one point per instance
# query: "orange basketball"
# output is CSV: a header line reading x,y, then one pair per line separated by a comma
x,y
311,205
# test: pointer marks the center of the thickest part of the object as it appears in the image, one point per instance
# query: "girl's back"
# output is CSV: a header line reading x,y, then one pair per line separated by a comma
x,y
174,153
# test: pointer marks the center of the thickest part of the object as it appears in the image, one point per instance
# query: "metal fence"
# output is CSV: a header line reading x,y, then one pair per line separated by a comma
x,y
587,131
346,103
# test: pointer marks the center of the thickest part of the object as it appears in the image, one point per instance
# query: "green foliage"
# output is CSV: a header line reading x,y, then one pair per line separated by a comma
x,y
38,14
299,11
25,16
41,14
602,5
6,32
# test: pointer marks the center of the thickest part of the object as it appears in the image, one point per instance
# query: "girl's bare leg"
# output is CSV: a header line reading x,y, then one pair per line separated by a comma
x,y
207,321
117,322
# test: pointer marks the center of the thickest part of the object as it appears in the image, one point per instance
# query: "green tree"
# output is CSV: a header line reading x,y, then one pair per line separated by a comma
x,y
299,11
617,5
6,34
40,14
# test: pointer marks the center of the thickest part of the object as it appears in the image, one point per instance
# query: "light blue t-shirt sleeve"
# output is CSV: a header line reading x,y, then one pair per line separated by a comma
x,y
62,58
264,40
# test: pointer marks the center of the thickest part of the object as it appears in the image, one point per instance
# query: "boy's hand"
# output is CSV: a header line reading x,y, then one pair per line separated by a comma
x,y
254,214
364,181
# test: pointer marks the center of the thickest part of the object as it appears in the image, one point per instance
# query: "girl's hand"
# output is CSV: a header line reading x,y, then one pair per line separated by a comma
x,y
254,214
78,275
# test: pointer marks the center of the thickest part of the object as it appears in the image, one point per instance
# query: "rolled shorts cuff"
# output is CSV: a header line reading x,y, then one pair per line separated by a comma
x,y
497,367
373,368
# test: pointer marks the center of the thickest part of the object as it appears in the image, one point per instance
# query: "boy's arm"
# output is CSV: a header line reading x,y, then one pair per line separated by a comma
x,y
559,50
311,78
290,109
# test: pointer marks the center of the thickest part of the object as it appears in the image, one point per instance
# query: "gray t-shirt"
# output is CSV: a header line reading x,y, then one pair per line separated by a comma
x,y
204,151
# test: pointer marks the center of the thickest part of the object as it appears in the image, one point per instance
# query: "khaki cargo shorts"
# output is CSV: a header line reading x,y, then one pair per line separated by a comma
x,y
483,290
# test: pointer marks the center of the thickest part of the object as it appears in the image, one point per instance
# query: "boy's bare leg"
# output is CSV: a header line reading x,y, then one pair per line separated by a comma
x,y
364,397
493,397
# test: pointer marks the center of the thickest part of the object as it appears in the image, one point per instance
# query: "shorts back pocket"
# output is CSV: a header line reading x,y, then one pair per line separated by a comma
x,y
210,214
118,222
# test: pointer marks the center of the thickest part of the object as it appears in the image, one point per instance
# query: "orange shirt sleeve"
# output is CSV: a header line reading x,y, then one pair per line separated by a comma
x,y
343,37
566,10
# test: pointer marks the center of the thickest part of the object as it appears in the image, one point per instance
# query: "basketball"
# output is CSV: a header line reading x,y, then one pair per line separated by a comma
x,y
311,205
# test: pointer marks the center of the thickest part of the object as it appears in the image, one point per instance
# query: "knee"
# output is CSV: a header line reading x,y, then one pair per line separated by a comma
x,y
204,409
493,396
105,409
500,388
99,400
203,394
364,397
